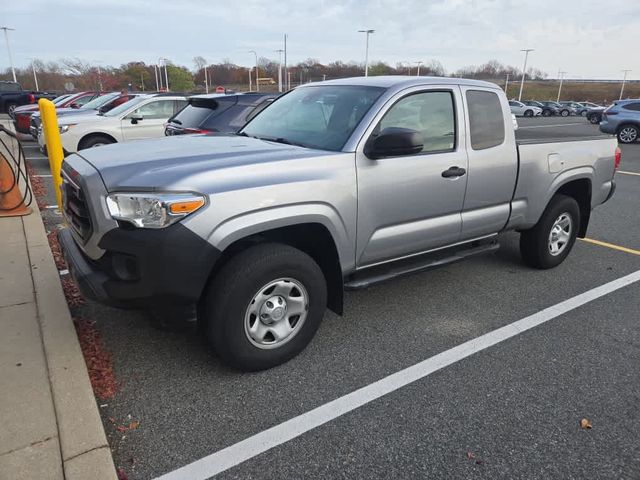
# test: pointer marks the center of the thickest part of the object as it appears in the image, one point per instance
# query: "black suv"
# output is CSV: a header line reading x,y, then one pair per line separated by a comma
x,y
547,110
221,113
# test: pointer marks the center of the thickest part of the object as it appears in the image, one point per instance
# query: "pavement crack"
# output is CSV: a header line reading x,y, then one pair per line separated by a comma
x,y
86,451
32,444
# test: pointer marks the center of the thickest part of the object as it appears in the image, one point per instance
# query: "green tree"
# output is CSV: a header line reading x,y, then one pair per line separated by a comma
x,y
180,79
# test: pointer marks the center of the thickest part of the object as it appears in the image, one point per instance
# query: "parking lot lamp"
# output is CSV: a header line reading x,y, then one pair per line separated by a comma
x,y
624,80
6,39
506,85
524,70
561,75
35,77
418,72
257,76
280,70
366,51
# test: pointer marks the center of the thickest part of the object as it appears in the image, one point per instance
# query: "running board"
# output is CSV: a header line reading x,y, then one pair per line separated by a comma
x,y
425,262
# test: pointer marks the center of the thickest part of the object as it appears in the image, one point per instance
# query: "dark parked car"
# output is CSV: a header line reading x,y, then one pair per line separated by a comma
x,y
22,115
622,119
547,110
12,96
563,110
218,113
594,115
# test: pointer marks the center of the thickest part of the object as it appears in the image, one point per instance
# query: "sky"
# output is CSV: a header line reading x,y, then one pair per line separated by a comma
x,y
585,38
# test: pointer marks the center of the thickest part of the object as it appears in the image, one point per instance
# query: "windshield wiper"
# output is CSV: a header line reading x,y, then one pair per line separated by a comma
x,y
241,134
175,120
282,140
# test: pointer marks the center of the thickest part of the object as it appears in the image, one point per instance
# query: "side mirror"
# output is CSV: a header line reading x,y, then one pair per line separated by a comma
x,y
135,118
394,142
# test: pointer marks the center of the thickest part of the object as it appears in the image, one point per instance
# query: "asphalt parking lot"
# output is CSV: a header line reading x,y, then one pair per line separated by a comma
x,y
511,410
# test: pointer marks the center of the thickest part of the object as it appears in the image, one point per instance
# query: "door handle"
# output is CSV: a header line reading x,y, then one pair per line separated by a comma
x,y
454,172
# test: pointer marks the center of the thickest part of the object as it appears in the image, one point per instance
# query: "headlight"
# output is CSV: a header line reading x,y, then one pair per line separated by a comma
x,y
149,210
65,128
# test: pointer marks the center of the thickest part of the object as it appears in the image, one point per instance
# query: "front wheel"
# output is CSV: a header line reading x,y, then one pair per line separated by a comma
x,y
548,243
95,141
11,108
628,134
546,113
528,113
264,306
564,113
594,119
583,113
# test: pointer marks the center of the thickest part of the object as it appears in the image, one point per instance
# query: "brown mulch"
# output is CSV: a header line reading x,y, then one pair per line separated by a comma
x,y
97,358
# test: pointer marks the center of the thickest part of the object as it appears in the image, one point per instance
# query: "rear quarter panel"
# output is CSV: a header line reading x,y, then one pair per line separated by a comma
x,y
545,167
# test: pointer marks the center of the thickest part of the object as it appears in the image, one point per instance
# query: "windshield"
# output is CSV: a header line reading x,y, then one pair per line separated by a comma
x,y
99,101
120,109
322,117
60,99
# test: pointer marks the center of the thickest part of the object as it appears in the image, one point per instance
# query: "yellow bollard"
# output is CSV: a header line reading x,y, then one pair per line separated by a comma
x,y
51,133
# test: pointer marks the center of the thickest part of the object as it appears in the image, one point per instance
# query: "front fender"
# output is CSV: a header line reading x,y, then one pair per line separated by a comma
x,y
258,221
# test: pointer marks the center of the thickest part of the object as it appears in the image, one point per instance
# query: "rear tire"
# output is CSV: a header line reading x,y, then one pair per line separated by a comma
x,y
95,141
528,113
628,134
10,107
583,113
546,113
548,243
594,119
564,113
248,307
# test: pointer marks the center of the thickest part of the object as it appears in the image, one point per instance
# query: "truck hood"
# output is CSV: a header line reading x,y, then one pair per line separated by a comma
x,y
185,162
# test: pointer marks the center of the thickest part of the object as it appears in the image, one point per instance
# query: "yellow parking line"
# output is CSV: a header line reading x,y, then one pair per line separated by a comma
x,y
629,173
611,245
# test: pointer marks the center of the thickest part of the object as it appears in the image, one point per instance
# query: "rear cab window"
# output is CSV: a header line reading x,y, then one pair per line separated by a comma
x,y
200,111
486,120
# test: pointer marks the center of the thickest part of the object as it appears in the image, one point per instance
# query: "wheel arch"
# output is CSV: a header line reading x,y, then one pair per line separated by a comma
x,y
91,135
311,235
580,189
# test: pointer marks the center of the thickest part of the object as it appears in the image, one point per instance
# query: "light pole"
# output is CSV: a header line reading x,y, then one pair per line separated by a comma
x,y
561,75
524,70
418,72
280,70
257,75
162,61
286,70
250,69
155,71
366,51
35,77
624,80
506,85
6,39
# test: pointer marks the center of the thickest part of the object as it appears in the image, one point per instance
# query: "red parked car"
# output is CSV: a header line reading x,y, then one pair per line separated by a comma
x,y
22,115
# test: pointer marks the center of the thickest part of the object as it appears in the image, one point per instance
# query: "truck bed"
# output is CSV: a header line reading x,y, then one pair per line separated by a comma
x,y
569,131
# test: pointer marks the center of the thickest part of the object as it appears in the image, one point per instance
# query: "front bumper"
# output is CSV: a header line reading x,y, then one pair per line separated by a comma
x,y
143,268
607,127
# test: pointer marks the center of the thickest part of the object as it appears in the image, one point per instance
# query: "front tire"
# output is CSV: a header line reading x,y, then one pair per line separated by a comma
x,y
628,134
528,113
548,243
546,113
11,107
264,306
594,119
564,113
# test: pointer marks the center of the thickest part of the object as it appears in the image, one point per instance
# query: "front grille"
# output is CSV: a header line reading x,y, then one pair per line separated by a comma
x,y
75,208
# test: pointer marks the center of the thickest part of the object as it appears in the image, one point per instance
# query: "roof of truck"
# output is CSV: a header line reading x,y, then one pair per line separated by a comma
x,y
387,81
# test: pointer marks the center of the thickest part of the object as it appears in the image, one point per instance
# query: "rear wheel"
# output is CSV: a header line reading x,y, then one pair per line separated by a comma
x,y
528,113
264,306
548,243
546,113
564,113
583,113
628,134
595,119
95,141
10,107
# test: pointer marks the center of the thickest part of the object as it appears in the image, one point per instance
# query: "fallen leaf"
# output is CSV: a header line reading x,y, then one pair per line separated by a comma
x,y
122,475
133,425
121,428
585,424
112,420
470,455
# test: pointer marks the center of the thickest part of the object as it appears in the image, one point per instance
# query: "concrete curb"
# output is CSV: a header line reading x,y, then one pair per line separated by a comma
x,y
83,443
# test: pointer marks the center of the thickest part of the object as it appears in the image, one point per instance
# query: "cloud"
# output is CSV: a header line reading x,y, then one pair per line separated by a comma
x,y
583,37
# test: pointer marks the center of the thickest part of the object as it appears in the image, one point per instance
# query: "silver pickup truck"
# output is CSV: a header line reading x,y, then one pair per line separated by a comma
x,y
337,185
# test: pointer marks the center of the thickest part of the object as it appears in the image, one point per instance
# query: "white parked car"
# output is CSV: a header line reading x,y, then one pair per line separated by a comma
x,y
142,117
519,109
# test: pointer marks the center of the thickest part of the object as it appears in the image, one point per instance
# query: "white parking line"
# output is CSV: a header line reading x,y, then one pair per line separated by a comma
x,y
63,272
246,449
628,173
43,175
36,158
555,125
